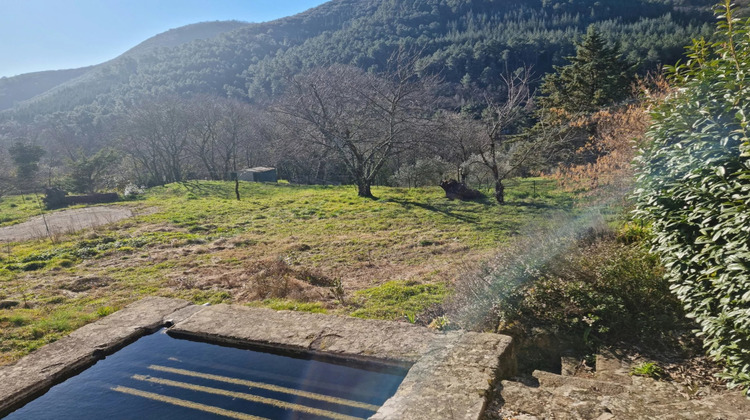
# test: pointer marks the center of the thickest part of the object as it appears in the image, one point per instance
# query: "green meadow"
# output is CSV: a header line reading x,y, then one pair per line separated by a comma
x,y
288,247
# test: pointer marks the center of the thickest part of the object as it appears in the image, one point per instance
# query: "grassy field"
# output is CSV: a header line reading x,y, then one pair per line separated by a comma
x,y
313,248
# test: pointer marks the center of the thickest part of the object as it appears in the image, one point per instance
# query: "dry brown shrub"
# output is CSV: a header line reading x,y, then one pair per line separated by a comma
x,y
608,154
275,278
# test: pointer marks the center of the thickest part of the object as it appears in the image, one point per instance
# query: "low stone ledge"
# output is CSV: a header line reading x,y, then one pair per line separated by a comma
x,y
386,342
55,362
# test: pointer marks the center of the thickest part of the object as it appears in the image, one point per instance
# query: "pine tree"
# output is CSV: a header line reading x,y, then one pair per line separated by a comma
x,y
596,77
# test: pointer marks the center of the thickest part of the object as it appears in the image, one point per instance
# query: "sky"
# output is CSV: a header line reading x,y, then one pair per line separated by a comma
x,y
38,35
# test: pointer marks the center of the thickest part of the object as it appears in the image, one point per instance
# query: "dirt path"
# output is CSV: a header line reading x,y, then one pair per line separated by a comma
x,y
65,221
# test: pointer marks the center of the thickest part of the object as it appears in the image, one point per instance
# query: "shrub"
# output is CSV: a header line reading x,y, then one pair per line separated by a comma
x,y
132,191
424,172
589,289
694,182
603,292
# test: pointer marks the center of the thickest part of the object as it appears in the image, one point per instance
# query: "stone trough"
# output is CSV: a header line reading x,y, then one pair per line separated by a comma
x,y
450,375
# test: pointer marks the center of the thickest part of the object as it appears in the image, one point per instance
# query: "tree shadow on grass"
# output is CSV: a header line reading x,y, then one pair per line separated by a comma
x,y
211,189
429,207
535,205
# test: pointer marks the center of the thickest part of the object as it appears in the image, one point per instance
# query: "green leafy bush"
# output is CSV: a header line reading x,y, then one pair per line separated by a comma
x,y
603,292
695,191
584,283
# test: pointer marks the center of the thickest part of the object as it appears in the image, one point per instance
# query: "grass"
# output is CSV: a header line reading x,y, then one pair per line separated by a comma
x,y
17,208
398,299
308,248
290,305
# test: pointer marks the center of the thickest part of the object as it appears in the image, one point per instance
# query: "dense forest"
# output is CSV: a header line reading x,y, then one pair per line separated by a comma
x,y
464,41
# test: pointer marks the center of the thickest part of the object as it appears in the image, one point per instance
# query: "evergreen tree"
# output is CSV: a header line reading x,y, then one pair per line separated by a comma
x,y
26,158
596,77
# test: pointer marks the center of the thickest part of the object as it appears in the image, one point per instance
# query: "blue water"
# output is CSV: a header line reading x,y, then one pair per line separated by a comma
x,y
105,390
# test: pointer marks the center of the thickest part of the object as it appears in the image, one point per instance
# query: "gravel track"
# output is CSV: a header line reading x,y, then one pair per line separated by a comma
x,y
62,222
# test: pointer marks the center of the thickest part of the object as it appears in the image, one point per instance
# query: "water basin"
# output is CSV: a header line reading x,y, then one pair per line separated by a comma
x,y
162,377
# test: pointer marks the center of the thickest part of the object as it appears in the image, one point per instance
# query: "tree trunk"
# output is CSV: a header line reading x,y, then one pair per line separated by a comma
x,y
499,192
363,189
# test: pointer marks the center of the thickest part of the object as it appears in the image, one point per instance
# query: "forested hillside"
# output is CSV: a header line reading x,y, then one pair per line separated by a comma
x,y
20,88
14,90
206,100
465,41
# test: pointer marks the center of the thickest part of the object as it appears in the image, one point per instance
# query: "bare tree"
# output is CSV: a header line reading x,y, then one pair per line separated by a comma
x,y
156,135
362,119
222,131
458,139
501,149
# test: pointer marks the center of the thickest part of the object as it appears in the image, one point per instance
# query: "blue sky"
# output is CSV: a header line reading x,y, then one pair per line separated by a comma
x,y
40,35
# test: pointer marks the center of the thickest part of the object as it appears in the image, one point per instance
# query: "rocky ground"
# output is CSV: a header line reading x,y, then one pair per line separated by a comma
x,y
609,391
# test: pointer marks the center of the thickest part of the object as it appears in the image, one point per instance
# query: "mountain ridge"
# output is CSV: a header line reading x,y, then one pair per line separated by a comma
x,y
471,42
26,86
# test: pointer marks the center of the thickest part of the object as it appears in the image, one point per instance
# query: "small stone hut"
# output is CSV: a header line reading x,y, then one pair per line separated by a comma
x,y
259,174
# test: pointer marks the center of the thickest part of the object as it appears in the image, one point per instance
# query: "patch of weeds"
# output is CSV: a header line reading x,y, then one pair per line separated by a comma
x,y
54,300
212,297
33,266
60,321
632,232
42,256
65,263
395,298
292,305
17,320
441,323
201,228
244,243
648,369
338,292
85,252
103,311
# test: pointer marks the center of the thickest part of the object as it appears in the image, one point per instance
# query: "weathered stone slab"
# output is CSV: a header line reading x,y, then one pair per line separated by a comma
x,y
54,362
549,380
453,379
385,342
